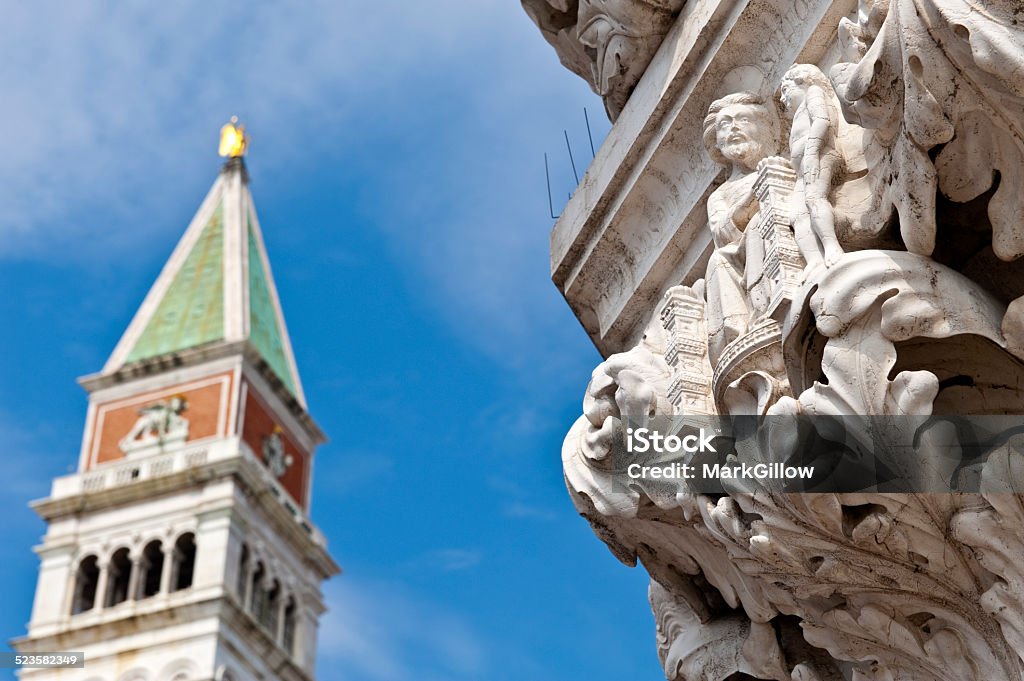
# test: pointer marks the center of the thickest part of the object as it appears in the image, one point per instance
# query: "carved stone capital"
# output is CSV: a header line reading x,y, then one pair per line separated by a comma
x,y
872,276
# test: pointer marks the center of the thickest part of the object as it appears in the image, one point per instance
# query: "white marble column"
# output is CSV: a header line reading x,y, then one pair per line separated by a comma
x,y
168,566
248,594
133,578
282,603
101,586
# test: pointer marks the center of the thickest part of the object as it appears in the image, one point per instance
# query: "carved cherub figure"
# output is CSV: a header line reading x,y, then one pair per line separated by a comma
x,y
809,100
740,130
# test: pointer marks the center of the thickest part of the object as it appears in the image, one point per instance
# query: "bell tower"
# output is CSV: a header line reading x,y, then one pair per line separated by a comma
x,y
182,548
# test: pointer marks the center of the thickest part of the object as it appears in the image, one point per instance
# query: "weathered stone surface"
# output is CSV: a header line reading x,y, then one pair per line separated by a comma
x,y
636,226
871,269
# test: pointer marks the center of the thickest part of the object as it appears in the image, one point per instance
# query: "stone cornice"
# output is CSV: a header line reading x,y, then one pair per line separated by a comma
x,y
129,482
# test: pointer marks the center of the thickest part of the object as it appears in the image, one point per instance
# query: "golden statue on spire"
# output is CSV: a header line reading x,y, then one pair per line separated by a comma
x,y
233,140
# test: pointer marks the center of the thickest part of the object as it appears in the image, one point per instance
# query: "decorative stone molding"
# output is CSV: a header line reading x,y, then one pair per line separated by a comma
x,y
682,317
692,645
941,75
783,264
757,352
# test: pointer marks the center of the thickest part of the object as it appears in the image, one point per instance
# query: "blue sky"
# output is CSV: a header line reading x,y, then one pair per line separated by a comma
x,y
397,168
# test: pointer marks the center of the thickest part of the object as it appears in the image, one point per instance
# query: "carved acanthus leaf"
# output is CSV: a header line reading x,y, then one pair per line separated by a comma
x,y
715,648
941,72
871,300
995,534
873,577
918,647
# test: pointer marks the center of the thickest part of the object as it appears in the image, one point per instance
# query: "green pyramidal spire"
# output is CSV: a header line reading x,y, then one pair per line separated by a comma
x,y
191,311
216,288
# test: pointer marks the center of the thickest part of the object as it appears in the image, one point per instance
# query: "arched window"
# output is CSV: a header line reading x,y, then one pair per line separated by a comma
x,y
268,617
259,596
87,579
184,561
119,574
288,629
243,568
152,569
182,669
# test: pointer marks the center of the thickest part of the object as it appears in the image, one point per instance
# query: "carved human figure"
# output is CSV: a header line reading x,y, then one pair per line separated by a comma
x,y
809,101
620,38
157,423
740,130
277,460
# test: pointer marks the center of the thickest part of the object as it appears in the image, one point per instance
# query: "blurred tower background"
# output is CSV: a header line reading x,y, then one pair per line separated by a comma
x,y
182,548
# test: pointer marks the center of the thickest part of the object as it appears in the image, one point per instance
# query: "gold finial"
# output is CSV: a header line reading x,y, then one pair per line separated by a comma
x,y
233,139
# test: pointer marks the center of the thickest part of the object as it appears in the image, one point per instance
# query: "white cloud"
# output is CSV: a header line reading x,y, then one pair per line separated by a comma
x,y
488,215
517,500
518,509
117,105
448,560
111,109
378,630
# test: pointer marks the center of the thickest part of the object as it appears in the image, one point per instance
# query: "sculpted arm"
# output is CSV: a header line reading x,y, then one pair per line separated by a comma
x,y
818,134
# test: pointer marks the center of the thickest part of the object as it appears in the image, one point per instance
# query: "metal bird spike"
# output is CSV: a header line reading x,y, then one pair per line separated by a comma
x,y
590,136
547,177
571,159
